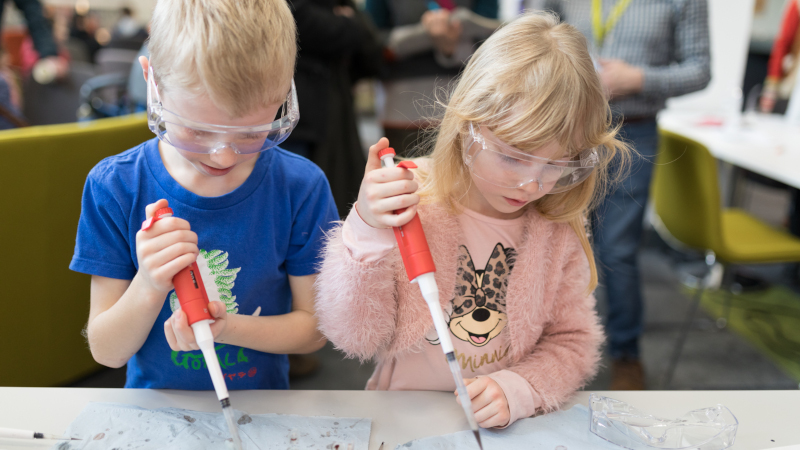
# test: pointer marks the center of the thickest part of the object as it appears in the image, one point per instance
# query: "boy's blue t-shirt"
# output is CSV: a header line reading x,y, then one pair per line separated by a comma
x,y
250,240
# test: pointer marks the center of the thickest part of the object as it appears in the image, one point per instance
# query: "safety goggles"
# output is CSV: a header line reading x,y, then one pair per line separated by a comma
x,y
495,162
198,137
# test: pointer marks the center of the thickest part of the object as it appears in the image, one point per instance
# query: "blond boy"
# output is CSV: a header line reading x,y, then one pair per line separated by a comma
x,y
250,214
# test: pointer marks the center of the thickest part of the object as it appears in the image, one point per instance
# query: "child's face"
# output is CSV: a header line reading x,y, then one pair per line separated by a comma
x,y
224,160
508,203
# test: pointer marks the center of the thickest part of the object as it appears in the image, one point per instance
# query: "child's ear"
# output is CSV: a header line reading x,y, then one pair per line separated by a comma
x,y
145,65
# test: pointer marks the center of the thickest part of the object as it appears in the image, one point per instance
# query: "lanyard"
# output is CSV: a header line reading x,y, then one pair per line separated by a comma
x,y
600,29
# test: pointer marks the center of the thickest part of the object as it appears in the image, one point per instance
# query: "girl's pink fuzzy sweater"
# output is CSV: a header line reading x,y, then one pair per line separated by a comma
x,y
370,310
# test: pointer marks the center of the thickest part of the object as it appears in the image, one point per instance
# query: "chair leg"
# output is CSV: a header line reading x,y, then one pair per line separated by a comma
x,y
727,282
687,324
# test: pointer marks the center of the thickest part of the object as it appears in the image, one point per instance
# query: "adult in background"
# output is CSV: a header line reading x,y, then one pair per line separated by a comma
x,y
128,33
426,44
646,51
48,66
336,46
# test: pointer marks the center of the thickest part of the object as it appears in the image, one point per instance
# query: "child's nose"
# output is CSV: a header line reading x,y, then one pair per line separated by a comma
x,y
224,156
533,187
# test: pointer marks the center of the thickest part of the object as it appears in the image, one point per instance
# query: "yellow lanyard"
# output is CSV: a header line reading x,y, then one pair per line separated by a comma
x,y
600,29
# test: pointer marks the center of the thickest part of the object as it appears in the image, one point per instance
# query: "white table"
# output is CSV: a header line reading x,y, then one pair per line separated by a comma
x,y
767,419
764,144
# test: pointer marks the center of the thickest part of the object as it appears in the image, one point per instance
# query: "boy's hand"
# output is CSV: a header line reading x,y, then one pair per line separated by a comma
x,y
488,402
180,335
383,190
166,248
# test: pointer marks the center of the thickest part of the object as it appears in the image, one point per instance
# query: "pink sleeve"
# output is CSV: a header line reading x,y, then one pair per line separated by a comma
x,y
522,398
568,351
366,243
356,301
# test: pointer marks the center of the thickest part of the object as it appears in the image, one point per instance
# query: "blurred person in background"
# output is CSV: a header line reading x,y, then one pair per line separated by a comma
x,y
10,95
784,63
43,58
337,45
645,52
128,33
83,29
426,44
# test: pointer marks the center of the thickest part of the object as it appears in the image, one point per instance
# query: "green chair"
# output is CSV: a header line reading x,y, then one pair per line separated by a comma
x,y
46,305
686,199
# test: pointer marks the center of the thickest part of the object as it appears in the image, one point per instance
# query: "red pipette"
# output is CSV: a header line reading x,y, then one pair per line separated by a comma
x,y
193,299
419,266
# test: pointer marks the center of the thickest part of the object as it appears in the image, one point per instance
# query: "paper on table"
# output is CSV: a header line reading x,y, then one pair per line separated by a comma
x,y
568,429
113,425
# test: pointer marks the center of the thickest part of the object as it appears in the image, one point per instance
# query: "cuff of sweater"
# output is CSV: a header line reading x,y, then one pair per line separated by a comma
x,y
522,398
366,244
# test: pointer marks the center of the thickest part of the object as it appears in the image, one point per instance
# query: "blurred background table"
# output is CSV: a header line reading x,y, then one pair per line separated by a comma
x,y
764,144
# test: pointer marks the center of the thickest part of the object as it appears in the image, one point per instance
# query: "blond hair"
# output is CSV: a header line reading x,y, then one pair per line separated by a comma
x,y
240,53
530,83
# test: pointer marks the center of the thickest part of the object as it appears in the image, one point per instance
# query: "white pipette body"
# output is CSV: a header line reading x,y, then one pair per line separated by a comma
x,y
430,292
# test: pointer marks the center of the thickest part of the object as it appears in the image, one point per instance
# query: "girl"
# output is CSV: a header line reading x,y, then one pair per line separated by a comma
x,y
520,157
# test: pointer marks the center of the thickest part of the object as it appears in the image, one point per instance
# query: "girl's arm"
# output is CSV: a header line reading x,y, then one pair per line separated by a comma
x,y
568,351
356,301
356,290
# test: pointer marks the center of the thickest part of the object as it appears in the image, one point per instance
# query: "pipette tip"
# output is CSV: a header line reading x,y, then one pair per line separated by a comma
x,y
228,413
478,438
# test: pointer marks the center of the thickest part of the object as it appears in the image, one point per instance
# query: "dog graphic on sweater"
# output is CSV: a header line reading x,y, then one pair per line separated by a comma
x,y
477,312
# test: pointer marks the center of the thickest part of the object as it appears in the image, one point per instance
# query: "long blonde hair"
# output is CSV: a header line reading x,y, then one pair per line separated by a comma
x,y
530,83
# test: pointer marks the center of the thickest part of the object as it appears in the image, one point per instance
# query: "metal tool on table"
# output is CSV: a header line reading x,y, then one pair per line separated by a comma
x,y
15,433
420,269
194,303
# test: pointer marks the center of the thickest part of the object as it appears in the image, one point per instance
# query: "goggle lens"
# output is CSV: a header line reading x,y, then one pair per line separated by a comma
x,y
196,137
504,166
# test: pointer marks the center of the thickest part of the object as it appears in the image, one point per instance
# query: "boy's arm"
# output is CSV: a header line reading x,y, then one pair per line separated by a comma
x,y
121,315
122,312
295,332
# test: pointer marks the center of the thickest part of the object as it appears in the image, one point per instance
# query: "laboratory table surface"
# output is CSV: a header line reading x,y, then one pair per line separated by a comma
x,y
767,419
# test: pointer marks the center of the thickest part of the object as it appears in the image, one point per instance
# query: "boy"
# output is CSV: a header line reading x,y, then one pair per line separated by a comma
x,y
251,214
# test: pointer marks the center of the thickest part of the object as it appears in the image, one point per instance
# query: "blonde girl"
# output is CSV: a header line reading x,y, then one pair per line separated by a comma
x,y
519,159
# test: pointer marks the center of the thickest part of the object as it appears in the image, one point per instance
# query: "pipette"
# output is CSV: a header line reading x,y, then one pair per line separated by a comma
x,y
14,433
194,303
419,266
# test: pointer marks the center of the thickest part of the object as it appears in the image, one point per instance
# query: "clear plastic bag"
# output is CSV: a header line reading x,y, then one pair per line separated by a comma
x,y
711,428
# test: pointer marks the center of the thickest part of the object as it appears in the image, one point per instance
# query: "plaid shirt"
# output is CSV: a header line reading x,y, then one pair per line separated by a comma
x,y
668,39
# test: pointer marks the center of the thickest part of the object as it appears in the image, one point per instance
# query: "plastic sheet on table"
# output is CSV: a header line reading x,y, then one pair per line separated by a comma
x,y
562,430
112,425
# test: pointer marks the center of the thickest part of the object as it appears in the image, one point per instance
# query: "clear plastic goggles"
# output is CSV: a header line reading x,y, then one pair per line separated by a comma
x,y
198,137
500,164
618,422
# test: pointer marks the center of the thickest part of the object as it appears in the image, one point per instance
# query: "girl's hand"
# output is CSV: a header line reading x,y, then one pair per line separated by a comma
x,y
488,402
180,335
163,250
383,190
